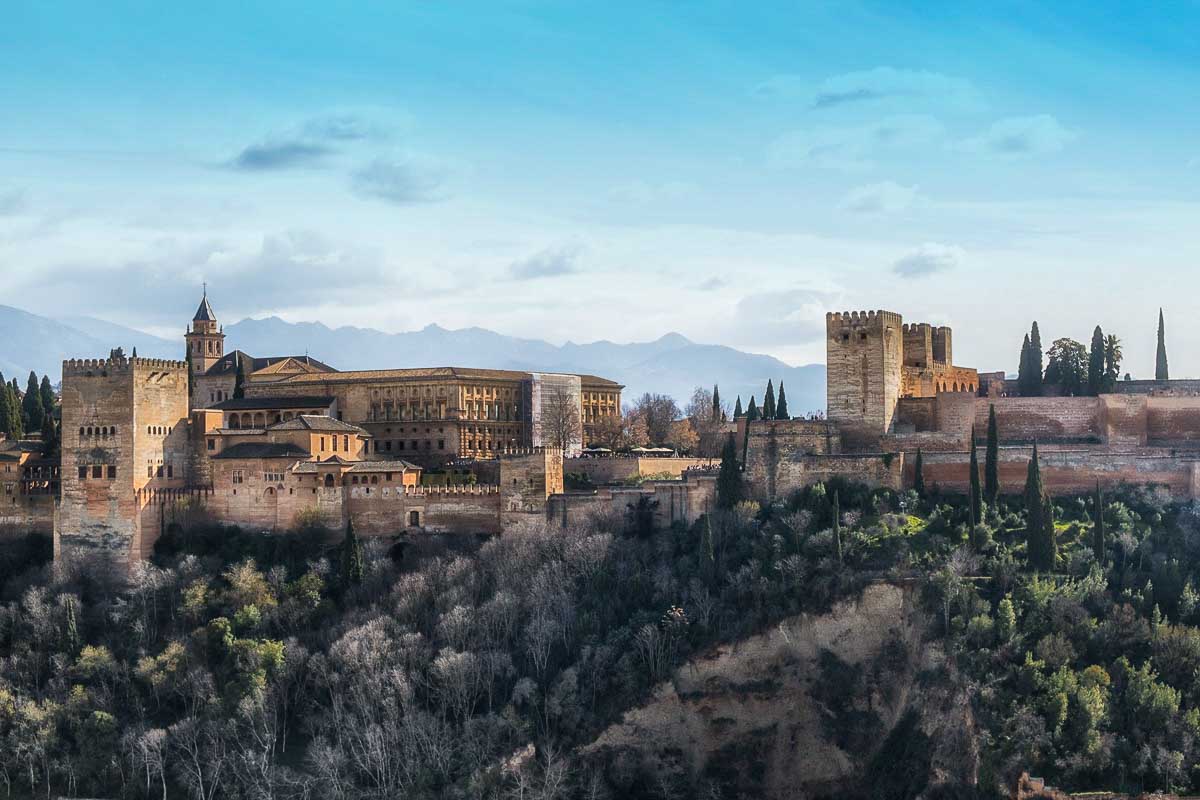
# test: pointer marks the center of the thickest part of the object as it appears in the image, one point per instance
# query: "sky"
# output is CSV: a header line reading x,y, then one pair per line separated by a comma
x,y
578,171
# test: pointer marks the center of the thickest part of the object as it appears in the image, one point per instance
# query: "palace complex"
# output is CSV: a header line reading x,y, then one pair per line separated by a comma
x,y
273,443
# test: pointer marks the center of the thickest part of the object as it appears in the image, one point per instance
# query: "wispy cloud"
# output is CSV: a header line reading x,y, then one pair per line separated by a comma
x,y
278,155
795,315
549,263
404,182
345,127
712,284
853,148
1016,137
928,259
873,85
885,197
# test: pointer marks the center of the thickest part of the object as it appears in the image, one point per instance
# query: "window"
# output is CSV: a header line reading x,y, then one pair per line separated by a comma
x,y
322,442
158,473
170,470
212,444
387,446
149,470
83,473
441,444
97,471
400,444
335,444
345,444
237,476
112,472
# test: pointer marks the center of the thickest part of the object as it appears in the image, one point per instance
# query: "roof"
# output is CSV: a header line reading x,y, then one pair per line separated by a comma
x,y
395,465
241,403
426,373
263,450
316,422
227,364
204,313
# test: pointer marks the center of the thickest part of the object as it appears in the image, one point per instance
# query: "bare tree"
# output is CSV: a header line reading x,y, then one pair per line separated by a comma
x,y
657,411
561,425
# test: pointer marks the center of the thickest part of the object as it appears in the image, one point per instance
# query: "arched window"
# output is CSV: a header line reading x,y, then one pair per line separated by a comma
x,y
328,481
81,430
414,518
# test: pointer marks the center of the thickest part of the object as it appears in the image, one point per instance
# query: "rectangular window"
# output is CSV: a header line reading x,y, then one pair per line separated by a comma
x,y
441,444
170,470
237,476
149,470
83,473
387,446
158,473
335,444
322,442
97,471
112,472
212,444
346,443
400,445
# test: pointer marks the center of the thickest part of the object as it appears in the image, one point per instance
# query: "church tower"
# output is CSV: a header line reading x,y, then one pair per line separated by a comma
x,y
205,339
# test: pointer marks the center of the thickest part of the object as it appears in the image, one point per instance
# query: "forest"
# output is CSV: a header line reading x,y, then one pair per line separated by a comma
x,y
312,664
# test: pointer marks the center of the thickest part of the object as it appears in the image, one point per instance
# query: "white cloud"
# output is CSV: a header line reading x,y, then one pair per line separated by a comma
x,y
885,197
853,148
1015,137
927,259
792,316
404,181
550,263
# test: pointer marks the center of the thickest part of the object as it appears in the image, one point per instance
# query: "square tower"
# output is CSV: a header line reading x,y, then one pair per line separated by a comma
x,y
864,356
124,437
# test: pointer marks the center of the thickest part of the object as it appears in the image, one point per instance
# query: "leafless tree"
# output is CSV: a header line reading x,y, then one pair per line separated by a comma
x,y
561,425
657,411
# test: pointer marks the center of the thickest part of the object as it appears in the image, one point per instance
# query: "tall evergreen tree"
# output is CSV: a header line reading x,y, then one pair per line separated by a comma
x,y
1039,521
737,408
976,498
5,409
32,413
919,475
71,639
10,423
352,557
1037,367
781,409
716,404
49,401
768,407
1095,373
50,441
751,410
1099,545
837,527
1161,373
729,479
1023,383
239,382
991,460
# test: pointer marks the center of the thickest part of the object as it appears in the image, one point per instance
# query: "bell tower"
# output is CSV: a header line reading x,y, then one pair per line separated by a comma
x,y
205,339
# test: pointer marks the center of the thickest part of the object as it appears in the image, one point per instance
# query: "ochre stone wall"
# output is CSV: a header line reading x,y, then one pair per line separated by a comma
x,y
1172,419
617,469
1125,420
774,442
1043,419
526,481
864,351
677,501
442,509
27,513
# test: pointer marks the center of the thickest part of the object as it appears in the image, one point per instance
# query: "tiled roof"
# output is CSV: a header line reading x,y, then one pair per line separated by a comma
x,y
396,465
227,364
316,422
245,403
264,450
431,373
204,313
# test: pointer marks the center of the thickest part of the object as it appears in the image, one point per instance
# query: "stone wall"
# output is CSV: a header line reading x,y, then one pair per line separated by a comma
x,y
27,513
773,447
618,469
682,501
438,509
1043,419
1173,419
526,481
864,351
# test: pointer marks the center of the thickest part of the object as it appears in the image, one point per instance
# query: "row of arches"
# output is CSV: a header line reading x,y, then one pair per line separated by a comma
x,y
102,431
955,386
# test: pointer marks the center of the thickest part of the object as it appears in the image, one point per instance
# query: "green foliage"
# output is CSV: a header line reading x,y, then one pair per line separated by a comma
x,y
781,409
352,557
975,492
752,412
1067,367
919,475
730,487
1096,374
768,406
737,408
32,412
991,461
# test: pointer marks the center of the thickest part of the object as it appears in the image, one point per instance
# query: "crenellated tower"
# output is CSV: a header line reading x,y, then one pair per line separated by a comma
x,y
865,355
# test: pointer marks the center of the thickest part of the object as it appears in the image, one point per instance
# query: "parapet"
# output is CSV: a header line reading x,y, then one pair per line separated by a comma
x,y
104,367
517,452
868,320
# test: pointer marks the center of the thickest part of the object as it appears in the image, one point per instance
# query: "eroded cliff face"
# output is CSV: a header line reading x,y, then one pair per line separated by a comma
x,y
831,703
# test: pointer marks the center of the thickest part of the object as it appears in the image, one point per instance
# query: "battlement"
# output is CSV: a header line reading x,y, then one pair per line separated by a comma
x,y
105,367
866,320
517,452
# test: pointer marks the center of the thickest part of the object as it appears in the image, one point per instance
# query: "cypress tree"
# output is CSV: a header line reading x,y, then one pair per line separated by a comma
x,y
1095,377
729,479
13,400
49,401
1099,546
71,639
32,413
837,527
1049,537
352,557
768,408
751,411
1039,523
5,409
919,475
1037,369
737,408
716,404
1023,384
50,442
134,352
991,462
976,493
239,383
781,410
1161,373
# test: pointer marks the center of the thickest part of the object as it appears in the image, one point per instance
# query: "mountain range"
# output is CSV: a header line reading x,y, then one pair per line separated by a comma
x,y
671,364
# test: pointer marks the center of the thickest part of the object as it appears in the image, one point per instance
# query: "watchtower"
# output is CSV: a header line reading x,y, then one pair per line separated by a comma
x,y
205,339
864,356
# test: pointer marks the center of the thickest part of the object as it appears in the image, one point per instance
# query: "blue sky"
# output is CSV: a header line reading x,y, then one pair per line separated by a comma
x,y
574,171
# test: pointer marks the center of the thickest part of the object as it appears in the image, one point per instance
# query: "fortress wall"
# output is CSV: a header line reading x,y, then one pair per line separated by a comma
x,y
1125,420
387,510
619,470
956,413
27,513
918,413
1073,471
772,441
677,501
797,471
1043,419
931,442
1172,419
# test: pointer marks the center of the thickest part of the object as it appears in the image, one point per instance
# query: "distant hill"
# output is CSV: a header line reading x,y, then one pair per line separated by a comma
x,y
671,364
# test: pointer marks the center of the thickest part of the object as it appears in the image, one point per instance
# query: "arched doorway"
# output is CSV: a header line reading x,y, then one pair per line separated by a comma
x,y
328,481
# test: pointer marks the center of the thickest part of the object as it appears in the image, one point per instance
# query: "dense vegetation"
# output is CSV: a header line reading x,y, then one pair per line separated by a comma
x,y
244,665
